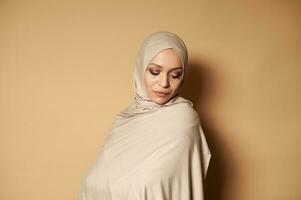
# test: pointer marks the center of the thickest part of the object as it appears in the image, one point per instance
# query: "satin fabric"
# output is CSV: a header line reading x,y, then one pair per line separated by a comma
x,y
152,151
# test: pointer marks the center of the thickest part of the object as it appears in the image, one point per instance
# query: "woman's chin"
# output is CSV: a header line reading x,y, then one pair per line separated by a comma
x,y
160,100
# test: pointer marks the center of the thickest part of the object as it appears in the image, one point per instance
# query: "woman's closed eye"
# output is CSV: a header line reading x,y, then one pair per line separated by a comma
x,y
174,75
155,73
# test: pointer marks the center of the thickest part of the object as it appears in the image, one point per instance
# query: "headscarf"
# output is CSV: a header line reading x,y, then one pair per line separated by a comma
x,y
152,151
151,46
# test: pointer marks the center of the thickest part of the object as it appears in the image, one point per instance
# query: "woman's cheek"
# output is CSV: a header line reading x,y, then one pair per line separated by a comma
x,y
175,84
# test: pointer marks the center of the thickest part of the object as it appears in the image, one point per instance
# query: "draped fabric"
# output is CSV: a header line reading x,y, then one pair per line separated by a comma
x,y
152,151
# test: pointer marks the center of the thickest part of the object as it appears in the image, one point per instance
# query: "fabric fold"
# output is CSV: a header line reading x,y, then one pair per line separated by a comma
x,y
145,159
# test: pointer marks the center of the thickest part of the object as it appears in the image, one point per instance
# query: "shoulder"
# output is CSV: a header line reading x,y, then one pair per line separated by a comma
x,y
180,120
181,112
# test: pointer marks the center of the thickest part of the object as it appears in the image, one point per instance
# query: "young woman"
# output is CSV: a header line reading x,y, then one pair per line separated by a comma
x,y
156,148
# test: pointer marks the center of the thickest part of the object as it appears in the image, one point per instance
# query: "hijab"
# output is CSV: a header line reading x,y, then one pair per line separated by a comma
x,y
151,46
152,151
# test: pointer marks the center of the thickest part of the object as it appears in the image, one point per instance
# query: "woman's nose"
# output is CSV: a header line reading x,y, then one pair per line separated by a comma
x,y
164,81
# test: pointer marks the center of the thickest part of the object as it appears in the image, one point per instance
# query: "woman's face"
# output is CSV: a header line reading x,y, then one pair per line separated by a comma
x,y
163,76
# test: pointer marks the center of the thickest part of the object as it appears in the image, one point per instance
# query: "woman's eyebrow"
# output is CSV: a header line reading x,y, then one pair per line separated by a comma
x,y
162,66
156,65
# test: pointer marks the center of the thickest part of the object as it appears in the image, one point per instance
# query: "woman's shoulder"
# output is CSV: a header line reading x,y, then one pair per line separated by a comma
x,y
179,120
183,111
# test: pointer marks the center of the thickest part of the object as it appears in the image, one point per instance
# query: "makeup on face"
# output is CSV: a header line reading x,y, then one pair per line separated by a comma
x,y
156,69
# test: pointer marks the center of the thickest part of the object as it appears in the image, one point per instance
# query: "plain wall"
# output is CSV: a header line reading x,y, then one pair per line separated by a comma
x,y
66,70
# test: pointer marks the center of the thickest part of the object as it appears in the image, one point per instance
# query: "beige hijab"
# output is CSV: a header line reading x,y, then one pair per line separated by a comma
x,y
151,46
152,151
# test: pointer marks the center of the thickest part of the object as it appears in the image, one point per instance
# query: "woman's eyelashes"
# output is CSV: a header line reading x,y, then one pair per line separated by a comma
x,y
153,72
174,75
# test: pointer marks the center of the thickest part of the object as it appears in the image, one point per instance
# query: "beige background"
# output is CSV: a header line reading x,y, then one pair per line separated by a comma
x,y
66,70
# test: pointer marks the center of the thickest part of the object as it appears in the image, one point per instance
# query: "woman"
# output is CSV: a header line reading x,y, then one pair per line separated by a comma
x,y
155,149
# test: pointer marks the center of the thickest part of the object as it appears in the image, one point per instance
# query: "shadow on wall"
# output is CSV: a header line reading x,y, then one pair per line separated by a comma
x,y
200,86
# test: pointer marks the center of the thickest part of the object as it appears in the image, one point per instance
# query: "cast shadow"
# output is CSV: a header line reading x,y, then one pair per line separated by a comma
x,y
201,86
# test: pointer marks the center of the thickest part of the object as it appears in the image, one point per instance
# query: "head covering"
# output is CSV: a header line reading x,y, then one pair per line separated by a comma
x,y
151,46
152,151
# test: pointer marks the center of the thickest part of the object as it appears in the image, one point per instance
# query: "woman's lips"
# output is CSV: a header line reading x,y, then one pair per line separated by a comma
x,y
161,94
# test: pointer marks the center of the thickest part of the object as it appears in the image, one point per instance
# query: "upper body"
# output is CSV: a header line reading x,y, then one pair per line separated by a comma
x,y
156,148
